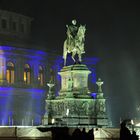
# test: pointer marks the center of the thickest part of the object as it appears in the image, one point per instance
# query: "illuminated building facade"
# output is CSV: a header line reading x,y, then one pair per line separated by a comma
x,y
23,73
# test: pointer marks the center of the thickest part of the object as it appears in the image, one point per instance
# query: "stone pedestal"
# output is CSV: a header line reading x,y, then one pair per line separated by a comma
x,y
74,106
46,119
81,111
74,81
102,119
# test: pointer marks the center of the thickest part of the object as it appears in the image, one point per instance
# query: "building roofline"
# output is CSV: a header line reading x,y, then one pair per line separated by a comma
x,y
16,14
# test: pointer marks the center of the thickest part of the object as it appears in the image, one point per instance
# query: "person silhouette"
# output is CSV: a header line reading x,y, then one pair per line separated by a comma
x,y
77,134
84,134
134,136
124,132
91,134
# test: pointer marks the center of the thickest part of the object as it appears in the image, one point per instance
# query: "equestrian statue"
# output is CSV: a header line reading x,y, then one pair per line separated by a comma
x,y
74,43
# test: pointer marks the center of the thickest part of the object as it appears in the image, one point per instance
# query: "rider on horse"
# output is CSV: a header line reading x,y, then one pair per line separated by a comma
x,y
75,41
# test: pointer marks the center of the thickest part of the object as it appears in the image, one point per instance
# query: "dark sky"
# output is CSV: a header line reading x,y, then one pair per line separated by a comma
x,y
113,35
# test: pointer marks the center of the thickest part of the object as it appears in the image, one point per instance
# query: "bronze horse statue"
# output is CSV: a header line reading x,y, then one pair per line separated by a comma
x,y
75,45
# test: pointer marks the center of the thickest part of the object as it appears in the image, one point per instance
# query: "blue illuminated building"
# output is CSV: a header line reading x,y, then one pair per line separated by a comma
x,y
22,85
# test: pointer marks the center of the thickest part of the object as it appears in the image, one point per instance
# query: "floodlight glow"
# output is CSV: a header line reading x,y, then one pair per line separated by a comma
x,y
93,95
138,124
53,120
132,122
67,113
2,65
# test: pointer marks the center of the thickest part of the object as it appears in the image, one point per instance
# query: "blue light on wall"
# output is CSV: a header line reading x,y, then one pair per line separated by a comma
x,y
27,105
93,95
7,48
22,103
36,106
57,66
91,60
91,64
25,51
6,99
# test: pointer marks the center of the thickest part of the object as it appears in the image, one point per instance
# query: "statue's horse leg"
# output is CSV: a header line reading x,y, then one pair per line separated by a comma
x,y
65,53
65,58
73,54
80,57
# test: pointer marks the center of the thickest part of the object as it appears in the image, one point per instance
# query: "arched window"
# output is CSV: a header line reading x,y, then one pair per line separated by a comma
x,y
41,76
10,73
27,74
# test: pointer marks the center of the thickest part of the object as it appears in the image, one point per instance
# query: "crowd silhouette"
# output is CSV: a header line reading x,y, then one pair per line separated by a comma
x,y
63,134
83,135
125,133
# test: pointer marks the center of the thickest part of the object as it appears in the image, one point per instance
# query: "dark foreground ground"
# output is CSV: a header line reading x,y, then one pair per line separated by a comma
x,y
58,133
2,138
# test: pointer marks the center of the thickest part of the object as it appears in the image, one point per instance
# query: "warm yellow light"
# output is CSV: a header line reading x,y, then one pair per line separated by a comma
x,y
8,76
38,78
25,78
1,51
2,69
10,73
12,76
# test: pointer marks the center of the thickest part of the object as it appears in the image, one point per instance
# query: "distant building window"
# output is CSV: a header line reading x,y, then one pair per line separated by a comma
x,y
22,28
10,73
41,75
4,23
14,24
27,74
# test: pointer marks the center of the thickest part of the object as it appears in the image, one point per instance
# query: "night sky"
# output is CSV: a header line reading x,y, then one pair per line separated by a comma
x,y
113,35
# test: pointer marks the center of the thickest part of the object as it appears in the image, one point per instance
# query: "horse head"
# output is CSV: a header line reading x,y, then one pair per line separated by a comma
x,y
81,31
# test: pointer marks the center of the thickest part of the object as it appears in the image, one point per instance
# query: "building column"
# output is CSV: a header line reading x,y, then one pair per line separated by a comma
x,y
19,72
34,75
2,70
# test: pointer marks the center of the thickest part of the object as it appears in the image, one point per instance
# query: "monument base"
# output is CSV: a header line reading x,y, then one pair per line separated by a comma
x,y
74,105
75,111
